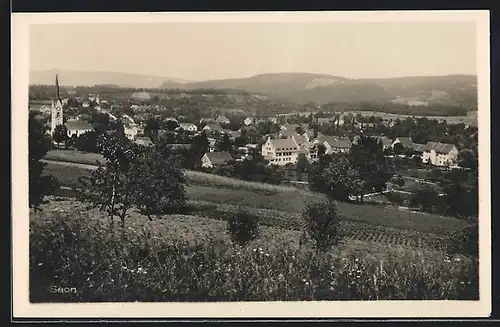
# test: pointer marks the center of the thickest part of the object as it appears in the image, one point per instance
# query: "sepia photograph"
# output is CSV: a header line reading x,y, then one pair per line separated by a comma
x,y
226,163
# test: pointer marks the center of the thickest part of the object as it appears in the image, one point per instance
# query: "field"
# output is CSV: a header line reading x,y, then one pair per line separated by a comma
x,y
385,252
469,119
282,200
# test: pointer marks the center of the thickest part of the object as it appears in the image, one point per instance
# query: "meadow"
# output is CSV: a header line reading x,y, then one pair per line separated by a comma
x,y
385,252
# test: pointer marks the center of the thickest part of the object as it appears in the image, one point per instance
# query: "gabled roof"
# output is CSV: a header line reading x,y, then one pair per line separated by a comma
x,y
335,142
299,139
288,133
384,139
405,141
235,134
144,140
222,118
284,144
439,147
287,126
419,147
219,158
78,125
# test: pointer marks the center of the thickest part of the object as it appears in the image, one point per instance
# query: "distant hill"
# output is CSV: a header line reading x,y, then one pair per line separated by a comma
x,y
90,78
301,88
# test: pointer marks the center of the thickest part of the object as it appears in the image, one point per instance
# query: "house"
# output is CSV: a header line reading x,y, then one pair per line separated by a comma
x,y
248,121
214,159
126,117
299,139
170,119
325,121
440,154
386,142
226,131
221,119
281,151
405,141
144,141
130,130
213,127
189,127
334,144
211,144
78,127
419,149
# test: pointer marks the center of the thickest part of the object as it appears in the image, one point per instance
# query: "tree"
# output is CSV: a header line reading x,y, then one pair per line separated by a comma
x,y
199,146
87,142
224,143
425,199
322,224
339,180
398,149
160,183
368,159
171,125
151,129
60,134
302,165
299,130
112,187
243,227
40,185
467,159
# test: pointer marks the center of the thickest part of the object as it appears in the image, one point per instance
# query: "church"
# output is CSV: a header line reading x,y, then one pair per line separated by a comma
x,y
76,128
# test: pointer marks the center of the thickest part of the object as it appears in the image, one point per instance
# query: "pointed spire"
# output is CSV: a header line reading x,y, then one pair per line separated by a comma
x,y
57,88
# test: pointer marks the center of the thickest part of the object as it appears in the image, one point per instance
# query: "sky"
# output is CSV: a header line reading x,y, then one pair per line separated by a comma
x,y
206,51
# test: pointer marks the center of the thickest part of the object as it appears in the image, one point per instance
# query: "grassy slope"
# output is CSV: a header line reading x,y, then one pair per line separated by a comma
x,y
222,190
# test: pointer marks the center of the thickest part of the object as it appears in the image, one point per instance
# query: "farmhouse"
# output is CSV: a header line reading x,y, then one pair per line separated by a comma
x,y
234,134
78,127
405,141
386,142
214,159
334,144
280,151
440,154
309,135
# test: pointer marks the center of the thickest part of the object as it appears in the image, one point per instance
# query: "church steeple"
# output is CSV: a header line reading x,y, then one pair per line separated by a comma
x,y
58,96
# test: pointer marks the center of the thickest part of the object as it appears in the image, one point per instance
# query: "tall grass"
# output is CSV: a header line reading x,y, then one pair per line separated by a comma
x,y
138,265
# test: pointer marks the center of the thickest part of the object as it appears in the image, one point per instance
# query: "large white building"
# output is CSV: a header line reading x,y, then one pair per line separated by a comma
x,y
281,151
440,154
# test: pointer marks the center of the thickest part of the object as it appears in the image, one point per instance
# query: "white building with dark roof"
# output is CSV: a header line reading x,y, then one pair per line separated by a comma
x,y
440,154
78,127
281,151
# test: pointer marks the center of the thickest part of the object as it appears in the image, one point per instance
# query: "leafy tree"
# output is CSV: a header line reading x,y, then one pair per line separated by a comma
x,y
87,142
322,224
171,125
302,165
224,143
368,159
339,180
151,129
160,183
60,134
398,149
199,146
39,144
112,187
243,227
299,130
425,199
467,159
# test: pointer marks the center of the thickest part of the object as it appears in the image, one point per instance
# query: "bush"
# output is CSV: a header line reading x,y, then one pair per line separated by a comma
x,y
399,181
465,241
397,198
243,227
322,224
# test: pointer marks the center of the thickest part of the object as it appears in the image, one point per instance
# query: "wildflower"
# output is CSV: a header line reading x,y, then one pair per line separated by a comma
x,y
254,250
307,283
140,269
457,259
304,280
356,260
267,254
40,264
112,280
